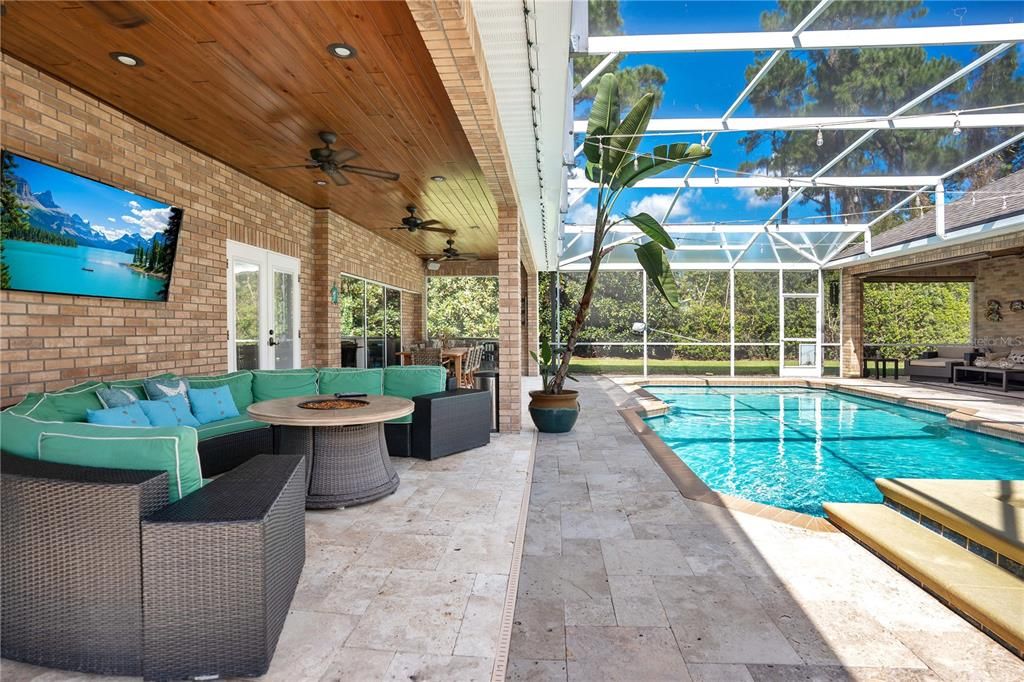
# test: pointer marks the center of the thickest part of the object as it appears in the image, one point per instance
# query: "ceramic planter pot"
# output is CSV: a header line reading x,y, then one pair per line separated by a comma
x,y
554,412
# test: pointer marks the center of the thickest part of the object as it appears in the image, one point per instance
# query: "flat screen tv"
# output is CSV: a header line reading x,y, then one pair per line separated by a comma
x,y
65,234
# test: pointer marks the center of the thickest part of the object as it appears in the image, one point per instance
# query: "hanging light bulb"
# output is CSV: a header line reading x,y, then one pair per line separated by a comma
x,y
820,140
636,162
956,125
703,143
716,176
974,198
1004,203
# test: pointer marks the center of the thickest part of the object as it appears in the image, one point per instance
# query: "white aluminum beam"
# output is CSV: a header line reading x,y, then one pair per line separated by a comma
x,y
728,228
978,34
774,181
812,123
598,70
701,266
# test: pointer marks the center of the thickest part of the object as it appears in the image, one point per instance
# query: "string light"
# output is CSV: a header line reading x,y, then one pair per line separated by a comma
x,y
1004,203
821,138
974,198
636,163
956,125
703,142
716,176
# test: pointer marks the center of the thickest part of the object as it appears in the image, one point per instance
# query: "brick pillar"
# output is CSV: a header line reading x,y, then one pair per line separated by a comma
x,y
530,328
413,317
852,324
320,316
509,321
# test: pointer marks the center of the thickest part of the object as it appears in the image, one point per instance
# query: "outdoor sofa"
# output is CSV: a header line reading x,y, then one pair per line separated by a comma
x,y
122,556
937,364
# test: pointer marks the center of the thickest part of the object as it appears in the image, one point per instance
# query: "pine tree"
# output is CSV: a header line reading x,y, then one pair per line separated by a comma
x,y
13,216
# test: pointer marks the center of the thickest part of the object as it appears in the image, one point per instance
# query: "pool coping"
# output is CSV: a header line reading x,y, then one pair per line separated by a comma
x,y
692,487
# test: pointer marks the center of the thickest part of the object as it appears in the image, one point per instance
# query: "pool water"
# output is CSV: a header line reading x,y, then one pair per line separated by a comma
x,y
796,448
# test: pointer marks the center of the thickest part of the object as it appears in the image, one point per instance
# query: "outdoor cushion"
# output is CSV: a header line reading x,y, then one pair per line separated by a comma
x,y
19,432
69,405
351,380
173,450
35,404
409,382
226,426
239,383
268,384
930,362
158,389
171,411
981,362
118,396
135,385
212,404
129,414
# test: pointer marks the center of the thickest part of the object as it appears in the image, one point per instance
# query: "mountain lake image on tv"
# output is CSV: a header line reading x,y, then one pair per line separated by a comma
x,y
62,233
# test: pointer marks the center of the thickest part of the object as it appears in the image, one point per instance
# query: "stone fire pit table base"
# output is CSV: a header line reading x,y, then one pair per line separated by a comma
x,y
345,465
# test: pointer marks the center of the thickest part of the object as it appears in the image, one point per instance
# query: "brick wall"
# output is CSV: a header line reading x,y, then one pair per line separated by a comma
x,y
1001,278
50,341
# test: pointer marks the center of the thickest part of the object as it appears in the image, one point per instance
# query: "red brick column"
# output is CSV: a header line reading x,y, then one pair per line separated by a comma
x,y
852,325
509,321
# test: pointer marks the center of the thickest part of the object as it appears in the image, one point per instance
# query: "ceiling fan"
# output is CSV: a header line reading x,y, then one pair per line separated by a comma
x,y
333,161
413,224
450,253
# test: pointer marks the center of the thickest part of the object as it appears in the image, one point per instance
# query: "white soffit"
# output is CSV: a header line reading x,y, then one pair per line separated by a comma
x,y
504,38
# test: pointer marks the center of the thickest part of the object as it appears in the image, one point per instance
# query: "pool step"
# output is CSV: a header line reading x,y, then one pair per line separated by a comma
x,y
986,517
972,586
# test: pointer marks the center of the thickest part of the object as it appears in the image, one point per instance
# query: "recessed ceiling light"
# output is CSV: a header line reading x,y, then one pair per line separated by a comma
x,y
437,178
341,50
126,59
320,182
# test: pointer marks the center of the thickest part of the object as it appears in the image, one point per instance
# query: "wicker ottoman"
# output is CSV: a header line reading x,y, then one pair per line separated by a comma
x,y
221,568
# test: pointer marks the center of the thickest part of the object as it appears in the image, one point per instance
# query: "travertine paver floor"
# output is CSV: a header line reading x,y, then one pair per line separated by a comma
x,y
624,579
410,587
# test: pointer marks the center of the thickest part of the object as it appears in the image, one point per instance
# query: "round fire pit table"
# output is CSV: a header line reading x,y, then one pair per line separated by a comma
x,y
347,459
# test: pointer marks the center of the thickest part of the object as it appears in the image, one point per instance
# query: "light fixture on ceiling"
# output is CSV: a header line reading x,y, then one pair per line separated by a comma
x,y
320,182
341,50
433,265
126,59
438,178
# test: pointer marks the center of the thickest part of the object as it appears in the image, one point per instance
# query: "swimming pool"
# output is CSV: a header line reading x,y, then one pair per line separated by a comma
x,y
796,448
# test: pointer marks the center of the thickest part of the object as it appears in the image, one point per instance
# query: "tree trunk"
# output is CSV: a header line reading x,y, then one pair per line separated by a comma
x,y
558,381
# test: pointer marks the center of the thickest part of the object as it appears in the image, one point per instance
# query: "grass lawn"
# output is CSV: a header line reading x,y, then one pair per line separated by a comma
x,y
674,366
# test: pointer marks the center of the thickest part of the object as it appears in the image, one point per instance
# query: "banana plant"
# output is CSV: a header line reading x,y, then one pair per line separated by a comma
x,y
614,165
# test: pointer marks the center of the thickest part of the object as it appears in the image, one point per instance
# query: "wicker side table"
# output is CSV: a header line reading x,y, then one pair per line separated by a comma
x,y
221,569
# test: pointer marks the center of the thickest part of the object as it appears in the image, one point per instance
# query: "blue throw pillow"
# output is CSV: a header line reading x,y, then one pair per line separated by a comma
x,y
171,411
160,388
123,415
116,397
212,404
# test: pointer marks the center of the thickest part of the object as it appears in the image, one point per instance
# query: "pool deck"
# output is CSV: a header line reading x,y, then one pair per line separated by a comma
x,y
624,578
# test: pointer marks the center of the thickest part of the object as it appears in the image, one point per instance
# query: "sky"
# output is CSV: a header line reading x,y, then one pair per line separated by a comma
x,y
705,84
111,211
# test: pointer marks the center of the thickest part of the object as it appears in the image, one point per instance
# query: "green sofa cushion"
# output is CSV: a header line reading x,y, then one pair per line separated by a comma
x,y
19,432
239,383
231,425
136,384
69,405
171,449
351,380
268,384
411,381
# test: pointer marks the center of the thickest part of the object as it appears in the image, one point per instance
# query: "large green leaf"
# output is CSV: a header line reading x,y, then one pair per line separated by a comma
x,y
660,160
619,147
654,260
653,229
604,114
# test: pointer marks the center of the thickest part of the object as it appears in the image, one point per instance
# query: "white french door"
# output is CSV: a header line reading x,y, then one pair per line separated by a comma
x,y
263,309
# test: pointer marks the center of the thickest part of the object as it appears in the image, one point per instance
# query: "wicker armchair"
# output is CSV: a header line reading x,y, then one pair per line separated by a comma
x,y
100,575
426,356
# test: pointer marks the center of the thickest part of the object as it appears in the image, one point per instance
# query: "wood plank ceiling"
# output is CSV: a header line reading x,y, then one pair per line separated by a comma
x,y
252,83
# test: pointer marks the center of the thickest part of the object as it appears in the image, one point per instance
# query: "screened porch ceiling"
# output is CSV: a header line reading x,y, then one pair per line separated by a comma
x,y
718,212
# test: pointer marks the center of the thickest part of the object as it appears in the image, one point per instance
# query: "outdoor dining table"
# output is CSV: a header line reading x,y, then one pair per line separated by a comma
x,y
347,460
455,355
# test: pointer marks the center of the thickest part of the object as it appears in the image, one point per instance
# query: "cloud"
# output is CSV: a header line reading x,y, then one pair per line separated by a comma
x,y
581,214
110,233
148,220
748,195
657,204
113,220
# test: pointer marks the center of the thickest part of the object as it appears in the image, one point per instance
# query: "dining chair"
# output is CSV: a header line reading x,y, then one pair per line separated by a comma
x,y
426,356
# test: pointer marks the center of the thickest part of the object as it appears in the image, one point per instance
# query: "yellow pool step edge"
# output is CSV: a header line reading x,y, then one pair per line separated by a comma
x,y
971,585
987,512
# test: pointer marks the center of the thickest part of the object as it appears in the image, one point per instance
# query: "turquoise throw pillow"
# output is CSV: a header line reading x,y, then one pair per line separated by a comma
x,y
129,414
171,411
158,389
239,383
212,404
117,396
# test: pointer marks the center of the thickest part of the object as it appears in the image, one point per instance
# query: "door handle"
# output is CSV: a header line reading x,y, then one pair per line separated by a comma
x,y
271,342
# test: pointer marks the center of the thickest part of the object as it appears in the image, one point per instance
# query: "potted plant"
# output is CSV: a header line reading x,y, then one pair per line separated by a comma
x,y
614,165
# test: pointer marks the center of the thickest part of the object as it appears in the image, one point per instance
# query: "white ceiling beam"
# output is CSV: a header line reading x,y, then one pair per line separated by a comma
x,y
811,123
775,182
978,34
726,228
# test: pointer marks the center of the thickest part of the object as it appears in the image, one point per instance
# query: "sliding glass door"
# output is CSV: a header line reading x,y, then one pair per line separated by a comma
x,y
370,318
